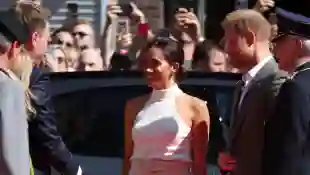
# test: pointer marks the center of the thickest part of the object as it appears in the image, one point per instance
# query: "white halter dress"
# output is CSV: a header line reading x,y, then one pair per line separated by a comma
x,y
161,137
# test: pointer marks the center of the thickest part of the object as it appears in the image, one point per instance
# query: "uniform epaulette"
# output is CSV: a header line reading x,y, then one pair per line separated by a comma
x,y
297,72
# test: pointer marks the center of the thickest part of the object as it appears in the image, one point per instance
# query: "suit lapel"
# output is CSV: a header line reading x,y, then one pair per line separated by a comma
x,y
253,93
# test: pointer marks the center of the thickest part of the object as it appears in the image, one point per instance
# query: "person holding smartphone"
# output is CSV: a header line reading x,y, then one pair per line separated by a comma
x,y
119,16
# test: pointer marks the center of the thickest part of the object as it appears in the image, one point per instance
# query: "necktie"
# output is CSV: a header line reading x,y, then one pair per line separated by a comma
x,y
237,97
241,95
240,88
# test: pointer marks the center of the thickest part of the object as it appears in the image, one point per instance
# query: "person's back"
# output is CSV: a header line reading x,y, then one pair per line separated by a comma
x,y
14,148
14,135
283,154
301,157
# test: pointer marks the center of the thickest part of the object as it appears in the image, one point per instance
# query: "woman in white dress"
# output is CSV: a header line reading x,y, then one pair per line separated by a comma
x,y
166,131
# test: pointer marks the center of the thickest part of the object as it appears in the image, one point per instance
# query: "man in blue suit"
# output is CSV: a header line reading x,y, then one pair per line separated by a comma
x,y
46,145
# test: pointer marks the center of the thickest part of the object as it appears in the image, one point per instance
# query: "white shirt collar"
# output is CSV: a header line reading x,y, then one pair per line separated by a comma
x,y
252,72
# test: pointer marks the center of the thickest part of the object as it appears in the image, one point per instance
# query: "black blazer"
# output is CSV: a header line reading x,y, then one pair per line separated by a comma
x,y
287,139
46,146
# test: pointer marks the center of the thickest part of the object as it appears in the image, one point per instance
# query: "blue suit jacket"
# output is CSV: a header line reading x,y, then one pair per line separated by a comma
x,y
46,145
287,144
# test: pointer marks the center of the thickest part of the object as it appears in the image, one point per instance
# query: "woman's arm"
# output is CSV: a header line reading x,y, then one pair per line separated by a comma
x,y
200,136
128,144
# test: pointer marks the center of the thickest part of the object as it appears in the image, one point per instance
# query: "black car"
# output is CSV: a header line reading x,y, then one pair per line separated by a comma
x,y
90,106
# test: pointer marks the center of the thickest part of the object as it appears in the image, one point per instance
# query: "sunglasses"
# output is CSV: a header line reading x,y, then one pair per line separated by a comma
x,y
60,59
67,44
80,34
82,48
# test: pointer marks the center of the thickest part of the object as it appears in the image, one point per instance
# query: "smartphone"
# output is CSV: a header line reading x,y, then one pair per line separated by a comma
x,y
121,29
122,25
72,9
127,9
190,5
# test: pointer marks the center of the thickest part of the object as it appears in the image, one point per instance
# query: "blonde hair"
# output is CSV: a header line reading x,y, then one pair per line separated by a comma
x,y
245,20
22,68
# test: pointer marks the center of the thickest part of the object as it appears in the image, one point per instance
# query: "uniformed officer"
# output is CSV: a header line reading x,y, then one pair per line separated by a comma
x,y
287,144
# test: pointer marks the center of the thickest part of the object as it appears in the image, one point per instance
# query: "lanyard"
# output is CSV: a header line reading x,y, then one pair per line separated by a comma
x,y
5,72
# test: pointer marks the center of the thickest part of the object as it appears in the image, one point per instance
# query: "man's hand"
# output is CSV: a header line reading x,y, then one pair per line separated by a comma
x,y
264,5
226,162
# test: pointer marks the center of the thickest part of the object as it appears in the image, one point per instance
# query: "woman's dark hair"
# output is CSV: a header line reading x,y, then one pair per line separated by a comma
x,y
172,49
59,30
120,62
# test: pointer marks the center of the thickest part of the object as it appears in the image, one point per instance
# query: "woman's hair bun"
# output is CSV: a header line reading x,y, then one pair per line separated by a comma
x,y
171,48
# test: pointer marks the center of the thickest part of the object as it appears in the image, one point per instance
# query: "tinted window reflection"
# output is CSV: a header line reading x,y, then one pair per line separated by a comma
x,y
91,121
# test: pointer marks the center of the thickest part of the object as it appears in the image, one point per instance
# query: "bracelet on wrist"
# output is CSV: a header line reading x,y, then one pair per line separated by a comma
x,y
143,29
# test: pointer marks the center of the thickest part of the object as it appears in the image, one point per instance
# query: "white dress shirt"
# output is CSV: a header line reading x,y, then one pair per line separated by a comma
x,y
248,77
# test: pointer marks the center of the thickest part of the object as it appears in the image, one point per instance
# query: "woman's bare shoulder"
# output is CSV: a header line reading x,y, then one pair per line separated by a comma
x,y
195,101
199,106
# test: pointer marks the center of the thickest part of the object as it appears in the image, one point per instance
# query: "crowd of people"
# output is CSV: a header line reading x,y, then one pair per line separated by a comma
x,y
167,131
76,47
